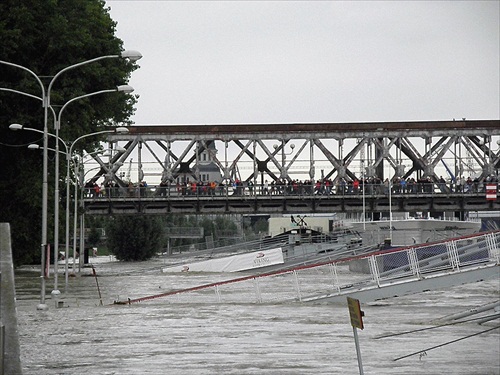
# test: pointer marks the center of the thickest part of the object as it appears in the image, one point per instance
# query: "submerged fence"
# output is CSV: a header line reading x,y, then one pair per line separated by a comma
x,y
373,270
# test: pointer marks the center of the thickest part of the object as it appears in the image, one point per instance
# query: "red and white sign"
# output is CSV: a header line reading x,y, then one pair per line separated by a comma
x,y
491,192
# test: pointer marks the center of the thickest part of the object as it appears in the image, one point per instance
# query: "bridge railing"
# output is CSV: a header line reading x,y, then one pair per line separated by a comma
x,y
348,274
291,189
203,248
184,232
224,246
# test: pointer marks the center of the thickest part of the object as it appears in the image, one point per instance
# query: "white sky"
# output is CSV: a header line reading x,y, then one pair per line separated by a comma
x,y
313,61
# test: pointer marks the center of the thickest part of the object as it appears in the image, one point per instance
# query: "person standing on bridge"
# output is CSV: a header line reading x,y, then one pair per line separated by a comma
x,y
355,186
265,189
250,188
387,186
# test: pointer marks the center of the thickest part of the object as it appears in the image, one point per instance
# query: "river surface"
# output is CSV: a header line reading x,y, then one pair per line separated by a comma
x,y
206,337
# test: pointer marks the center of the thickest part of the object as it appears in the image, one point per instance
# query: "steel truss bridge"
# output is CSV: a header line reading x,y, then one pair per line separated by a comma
x,y
291,154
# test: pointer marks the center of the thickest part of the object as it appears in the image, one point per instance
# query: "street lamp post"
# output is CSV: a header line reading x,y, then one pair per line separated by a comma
x,y
79,180
42,305
20,127
121,130
131,55
68,152
122,88
390,209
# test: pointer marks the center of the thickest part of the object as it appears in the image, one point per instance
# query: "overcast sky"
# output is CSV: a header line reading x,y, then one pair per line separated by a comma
x,y
330,61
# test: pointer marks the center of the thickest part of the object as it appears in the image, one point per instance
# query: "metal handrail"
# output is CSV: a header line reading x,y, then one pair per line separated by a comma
x,y
387,268
157,192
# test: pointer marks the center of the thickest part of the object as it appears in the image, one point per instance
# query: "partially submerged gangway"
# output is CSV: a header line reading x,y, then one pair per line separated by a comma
x,y
293,253
368,277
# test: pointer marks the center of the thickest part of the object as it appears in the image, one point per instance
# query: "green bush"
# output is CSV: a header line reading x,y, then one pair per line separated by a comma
x,y
133,238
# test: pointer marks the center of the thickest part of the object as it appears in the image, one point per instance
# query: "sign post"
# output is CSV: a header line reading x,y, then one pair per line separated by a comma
x,y
491,192
357,322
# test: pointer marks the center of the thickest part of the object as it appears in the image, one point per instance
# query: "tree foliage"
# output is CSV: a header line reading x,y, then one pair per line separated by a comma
x,y
94,236
219,227
46,36
94,224
133,238
261,226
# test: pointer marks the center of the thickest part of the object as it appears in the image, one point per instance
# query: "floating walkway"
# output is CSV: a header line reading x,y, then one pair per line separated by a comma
x,y
368,277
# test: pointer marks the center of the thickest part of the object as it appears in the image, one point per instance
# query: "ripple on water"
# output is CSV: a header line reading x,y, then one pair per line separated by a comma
x,y
207,337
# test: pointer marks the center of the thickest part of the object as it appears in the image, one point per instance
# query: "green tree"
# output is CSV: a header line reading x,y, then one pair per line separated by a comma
x,y
133,238
220,227
95,224
261,226
46,36
224,226
94,236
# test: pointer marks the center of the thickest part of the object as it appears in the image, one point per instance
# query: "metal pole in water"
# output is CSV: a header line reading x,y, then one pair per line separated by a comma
x,y
2,331
358,350
97,283
2,347
356,316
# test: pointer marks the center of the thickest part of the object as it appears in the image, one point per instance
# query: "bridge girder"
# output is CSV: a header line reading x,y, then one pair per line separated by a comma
x,y
279,204
265,149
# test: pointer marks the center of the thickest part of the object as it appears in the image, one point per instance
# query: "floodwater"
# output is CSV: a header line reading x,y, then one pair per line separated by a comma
x,y
160,337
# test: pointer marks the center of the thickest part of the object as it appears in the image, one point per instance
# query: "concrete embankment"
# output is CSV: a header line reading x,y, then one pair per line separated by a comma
x,y
11,362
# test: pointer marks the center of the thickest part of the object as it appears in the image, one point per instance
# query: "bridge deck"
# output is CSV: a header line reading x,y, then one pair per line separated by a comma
x,y
152,201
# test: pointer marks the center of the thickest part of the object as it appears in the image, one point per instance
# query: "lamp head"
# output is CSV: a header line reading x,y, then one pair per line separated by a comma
x,y
131,55
125,88
33,146
121,130
15,127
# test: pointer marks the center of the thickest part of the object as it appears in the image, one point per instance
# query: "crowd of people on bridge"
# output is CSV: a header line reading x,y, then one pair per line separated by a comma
x,y
324,187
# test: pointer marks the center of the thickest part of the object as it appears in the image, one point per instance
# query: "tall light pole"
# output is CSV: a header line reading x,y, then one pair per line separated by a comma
x,y
121,130
68,152
131,55
122,88
79,180
390,209
57,124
